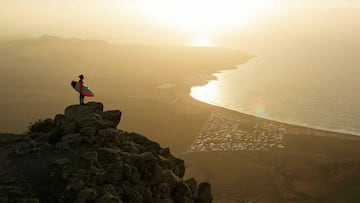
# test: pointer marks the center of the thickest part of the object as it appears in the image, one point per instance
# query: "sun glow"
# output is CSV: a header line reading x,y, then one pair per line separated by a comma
x,y
204,42
203,17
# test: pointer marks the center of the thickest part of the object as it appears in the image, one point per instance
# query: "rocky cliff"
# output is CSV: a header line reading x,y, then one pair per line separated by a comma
x,y
80,156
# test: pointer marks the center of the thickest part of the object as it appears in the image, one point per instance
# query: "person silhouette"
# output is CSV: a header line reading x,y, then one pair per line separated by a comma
x,y
81,84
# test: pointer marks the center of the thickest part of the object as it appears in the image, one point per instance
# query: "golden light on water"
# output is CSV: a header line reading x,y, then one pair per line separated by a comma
x,y
212,93
207,93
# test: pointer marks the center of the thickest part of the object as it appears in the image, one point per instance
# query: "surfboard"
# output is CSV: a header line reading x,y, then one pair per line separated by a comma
x,y
85,90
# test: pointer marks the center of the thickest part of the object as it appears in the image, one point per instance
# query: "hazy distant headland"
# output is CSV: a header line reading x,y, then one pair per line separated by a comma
x,y
245,158
35,73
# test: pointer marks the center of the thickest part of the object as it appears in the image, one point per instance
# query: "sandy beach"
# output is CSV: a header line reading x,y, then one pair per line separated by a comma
x,y
245,158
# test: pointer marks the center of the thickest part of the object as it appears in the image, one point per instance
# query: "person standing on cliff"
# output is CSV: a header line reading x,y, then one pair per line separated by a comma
x,y
81,85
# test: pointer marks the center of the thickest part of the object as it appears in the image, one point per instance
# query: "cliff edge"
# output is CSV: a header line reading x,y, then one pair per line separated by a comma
x,y
80,156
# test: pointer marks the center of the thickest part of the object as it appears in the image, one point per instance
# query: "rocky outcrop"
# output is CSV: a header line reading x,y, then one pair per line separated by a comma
x,y
80,156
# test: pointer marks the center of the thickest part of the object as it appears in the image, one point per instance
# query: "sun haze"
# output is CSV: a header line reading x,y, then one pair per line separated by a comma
x,y
203,19
185,22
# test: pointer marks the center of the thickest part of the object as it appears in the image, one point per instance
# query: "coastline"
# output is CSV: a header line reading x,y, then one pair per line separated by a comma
x,y
278,170
345,133
233,173
213,77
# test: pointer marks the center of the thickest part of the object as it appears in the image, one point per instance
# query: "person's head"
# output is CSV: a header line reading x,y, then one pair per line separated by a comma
x,y
81,77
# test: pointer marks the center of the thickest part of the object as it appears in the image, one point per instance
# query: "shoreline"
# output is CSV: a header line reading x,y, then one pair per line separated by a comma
x,y
294,127
174,119
307,126
212,77
276,171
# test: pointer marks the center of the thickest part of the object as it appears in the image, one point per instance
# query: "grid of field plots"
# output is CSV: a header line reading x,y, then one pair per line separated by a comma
x,y
223,132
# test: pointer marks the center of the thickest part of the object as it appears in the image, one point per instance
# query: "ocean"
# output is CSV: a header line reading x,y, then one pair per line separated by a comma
x,y
314,85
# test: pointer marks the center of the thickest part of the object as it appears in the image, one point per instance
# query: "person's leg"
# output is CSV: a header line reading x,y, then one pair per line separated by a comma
x,y
82,99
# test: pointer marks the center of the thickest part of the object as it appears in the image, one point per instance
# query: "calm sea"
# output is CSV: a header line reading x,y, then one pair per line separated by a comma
x,y
315,85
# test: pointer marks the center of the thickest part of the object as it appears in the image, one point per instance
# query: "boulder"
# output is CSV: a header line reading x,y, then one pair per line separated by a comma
x,y
107,189
113,115
69,127
171,179
108,199
62,146
113,172
84,158
59,120
90,117
77,112
156,175
62,161
30,200
88,131
193,187
108,155
204,193
70,138
75,185
86,195
88,159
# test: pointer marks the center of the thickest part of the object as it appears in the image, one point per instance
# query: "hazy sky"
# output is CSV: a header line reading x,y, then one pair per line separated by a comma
x,y
197,22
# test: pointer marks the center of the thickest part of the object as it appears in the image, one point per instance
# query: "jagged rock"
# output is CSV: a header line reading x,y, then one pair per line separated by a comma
x,y
11,138
147,195
108,155
113,116
30,200
66,140
178,166
133,195
77,112
179,198
204,193
183,189
91,116
88,131
69,128
175,164
164,201
70,138
108,199
59,120
163,191
62,146
171,179
107,189
88,159
182,193
156,175
62,161
146,159
113,172
26,146
75,185
84,158
86,195
193,187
